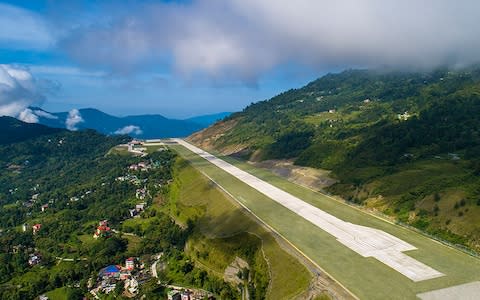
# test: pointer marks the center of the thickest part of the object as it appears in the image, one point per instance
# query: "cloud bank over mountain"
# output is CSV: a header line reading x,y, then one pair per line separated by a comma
x,y
130,129
245,38
19,90
224,54
74,118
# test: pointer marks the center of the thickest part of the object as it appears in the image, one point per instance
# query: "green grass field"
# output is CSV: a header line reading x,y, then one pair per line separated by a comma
x,y
367,278
58,294
221,224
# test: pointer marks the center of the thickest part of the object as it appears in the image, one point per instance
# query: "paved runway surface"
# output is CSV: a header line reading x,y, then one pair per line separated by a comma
x,y
468,291
366,241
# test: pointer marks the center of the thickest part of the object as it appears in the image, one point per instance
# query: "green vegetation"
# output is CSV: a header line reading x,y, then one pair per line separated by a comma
x,y
371,129
360,275
14,131
64,293
223,231
69,172
84,179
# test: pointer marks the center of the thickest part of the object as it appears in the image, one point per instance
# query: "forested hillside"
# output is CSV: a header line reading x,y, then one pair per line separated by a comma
x,y
407,144
54,191
73,207
14,130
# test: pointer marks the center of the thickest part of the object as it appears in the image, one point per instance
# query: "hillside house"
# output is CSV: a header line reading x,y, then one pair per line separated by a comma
x,y
186,295
130,263
102,230
133,213
34,259
141,193
36,228
140,207
404,117
111,271
131,285
174,295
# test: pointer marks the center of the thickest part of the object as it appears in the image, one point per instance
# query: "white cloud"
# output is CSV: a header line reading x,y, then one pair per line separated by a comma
x,y
64,71
18,90
73,119
23,29
44,114
247,38
28,116
130,129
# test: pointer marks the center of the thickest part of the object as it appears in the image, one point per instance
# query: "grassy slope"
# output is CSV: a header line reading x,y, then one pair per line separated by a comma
x,y
58,294
361,275
219,219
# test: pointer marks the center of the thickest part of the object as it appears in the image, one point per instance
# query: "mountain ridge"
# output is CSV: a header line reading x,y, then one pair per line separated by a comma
x,y
14,130
140,126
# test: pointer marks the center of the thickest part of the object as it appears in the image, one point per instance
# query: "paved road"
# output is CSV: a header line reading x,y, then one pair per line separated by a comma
x,y
366,241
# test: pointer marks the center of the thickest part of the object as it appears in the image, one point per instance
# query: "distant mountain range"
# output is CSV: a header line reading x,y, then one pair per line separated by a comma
x,y
141,126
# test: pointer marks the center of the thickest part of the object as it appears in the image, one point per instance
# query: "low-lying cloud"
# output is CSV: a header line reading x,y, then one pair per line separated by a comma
x,y
73,119
44,114
27,115
246,38
130,129
19,90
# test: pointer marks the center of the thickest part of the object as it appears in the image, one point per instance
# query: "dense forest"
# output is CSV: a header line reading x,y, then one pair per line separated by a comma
x,y
55,188
372,129
14,130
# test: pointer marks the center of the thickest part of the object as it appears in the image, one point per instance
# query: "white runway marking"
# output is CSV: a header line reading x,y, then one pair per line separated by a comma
x,y
366,241
468,291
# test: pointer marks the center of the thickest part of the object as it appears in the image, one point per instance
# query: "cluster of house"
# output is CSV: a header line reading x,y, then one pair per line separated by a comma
x,y
15,168
75,198
103,230
35,228
180,293
133,179
135,212
130,276
29,203
34,199
34,257
141,166
141,193
403,117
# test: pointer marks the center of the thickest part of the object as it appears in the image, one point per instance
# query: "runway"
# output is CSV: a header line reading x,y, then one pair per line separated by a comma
x,y
366,241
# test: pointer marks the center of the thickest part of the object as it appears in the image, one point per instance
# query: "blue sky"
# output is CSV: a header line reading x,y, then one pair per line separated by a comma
x,y
186,58
153,89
